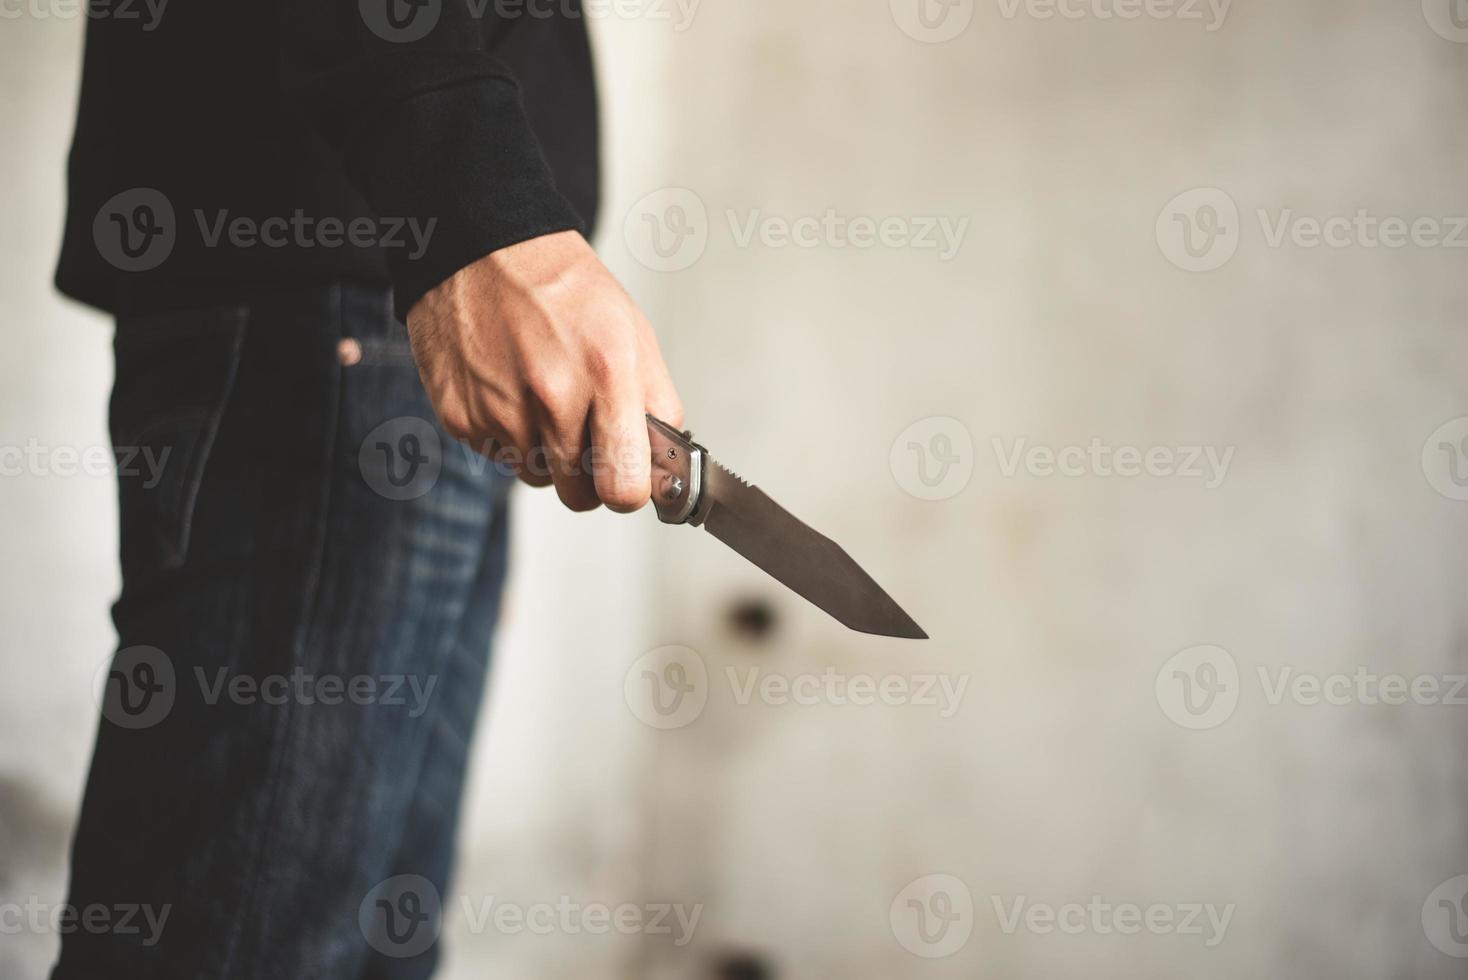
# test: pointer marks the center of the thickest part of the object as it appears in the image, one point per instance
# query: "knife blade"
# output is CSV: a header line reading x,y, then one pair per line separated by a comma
x,y
690,487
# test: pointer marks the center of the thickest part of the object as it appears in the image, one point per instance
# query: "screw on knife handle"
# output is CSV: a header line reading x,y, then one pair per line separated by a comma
x,y
677,471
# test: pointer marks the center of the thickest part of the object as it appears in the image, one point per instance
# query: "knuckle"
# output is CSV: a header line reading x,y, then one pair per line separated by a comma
x,y
456,423
610,362
554,388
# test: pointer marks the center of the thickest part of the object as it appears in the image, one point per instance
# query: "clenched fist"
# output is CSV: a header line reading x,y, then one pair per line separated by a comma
x,y
536,356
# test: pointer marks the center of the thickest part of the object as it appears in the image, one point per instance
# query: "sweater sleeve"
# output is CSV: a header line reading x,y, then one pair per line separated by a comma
x,y
427,124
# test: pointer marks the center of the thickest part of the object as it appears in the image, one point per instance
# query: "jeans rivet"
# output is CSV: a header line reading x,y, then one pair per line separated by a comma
x,y
349,351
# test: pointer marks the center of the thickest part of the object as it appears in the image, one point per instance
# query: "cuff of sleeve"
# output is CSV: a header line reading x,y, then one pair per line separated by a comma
x,y
463,163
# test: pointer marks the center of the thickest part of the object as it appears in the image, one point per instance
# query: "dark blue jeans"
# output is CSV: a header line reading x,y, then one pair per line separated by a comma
x,y
311,573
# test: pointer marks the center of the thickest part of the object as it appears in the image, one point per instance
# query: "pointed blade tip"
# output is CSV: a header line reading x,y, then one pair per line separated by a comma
x,y
912,632
902,627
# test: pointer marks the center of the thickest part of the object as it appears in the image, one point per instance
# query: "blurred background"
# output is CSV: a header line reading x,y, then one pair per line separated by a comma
x,y
1122,341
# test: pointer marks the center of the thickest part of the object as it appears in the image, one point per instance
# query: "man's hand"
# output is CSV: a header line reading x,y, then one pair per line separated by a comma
x,y
536,355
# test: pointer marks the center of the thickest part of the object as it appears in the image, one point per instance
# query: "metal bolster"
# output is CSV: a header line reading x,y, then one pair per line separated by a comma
x,y
677,472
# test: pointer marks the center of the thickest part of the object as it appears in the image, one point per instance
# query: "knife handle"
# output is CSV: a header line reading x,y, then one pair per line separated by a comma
x,y
677,472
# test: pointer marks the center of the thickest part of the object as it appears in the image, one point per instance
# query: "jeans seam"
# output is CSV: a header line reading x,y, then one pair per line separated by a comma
x,y
207,439
299,644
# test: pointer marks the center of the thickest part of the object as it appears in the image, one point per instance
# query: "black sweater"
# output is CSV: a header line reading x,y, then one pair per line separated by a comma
x,y
306,141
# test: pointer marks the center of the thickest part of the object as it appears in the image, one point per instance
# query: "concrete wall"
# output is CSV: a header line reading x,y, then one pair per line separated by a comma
x,y
1113,648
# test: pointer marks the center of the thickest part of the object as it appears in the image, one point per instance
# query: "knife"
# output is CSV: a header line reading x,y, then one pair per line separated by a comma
x,y
690,487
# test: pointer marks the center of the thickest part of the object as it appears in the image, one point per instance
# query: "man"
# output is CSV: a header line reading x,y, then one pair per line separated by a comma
x,y
262,193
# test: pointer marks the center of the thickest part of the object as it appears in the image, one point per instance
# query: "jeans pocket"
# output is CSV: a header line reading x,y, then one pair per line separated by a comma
x,y
175,374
